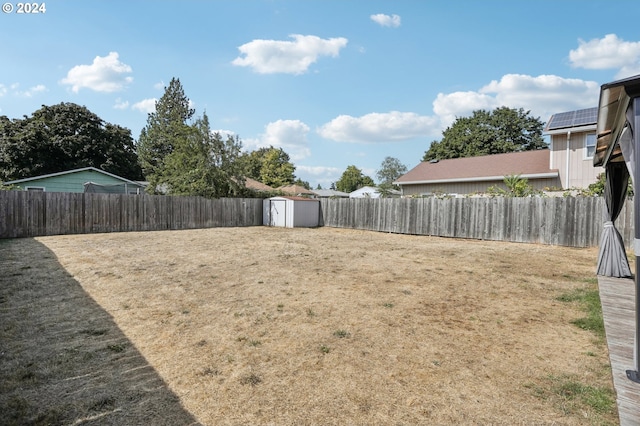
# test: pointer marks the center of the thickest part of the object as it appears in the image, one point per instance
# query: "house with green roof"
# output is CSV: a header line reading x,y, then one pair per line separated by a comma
x,y
86,179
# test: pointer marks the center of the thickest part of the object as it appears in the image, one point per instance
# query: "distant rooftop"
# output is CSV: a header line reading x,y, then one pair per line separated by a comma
x,y
529,164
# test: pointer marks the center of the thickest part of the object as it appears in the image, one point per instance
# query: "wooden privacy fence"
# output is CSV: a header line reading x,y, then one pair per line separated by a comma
x,y
575,222
30,214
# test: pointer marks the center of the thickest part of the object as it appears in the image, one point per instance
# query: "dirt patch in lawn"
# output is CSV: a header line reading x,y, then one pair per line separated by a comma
x,y
298,326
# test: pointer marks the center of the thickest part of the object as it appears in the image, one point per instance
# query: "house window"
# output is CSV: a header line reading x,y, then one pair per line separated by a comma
x,y
590,145
34,188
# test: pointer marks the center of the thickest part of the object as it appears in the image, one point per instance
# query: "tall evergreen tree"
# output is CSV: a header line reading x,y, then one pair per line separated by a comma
x,y
167,127
203,163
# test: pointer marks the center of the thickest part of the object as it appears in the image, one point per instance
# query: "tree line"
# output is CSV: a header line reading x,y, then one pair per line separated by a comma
x,y
178,153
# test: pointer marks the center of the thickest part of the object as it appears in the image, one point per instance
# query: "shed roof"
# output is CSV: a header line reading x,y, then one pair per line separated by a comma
x,y
529,164
294,198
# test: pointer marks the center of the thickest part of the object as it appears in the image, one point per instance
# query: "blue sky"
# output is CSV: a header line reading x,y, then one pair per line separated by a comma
x,y
333,83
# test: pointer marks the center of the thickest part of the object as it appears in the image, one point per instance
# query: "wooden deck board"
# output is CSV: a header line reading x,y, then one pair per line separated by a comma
x,y
618,308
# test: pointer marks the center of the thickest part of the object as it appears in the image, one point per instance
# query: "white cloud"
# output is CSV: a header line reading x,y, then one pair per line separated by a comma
x,y
159,85
379,127
15,90
225,133
35,89
290,57
319,174
386,20
543,95
105,74
605,53
450,106
628,71
290,135
120,104
145,105
319,170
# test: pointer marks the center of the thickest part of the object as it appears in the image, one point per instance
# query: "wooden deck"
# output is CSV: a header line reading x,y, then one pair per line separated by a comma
x,y
618,307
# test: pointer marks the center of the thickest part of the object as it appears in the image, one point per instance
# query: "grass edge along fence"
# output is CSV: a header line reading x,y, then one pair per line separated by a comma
x,y
567,221
31,214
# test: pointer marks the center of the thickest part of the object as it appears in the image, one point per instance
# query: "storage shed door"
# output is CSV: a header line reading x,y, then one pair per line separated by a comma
x,y
277,213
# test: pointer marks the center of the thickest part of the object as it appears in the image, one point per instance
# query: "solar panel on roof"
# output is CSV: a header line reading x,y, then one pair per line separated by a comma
x,y
563,119
581,117
586,116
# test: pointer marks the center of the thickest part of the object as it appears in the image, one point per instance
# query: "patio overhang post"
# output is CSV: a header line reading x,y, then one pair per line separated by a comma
x,y
618,139
635,123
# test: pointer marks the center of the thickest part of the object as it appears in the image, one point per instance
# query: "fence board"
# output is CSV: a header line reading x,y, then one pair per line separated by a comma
x,y
567,221
575,222
30,214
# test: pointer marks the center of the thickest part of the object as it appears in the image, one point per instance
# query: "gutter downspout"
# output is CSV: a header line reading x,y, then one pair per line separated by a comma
x,y
567,159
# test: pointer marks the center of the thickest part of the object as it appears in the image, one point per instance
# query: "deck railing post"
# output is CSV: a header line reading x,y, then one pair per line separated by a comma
x,y
635,104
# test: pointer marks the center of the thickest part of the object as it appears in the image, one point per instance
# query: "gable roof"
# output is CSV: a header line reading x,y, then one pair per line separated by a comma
x,y
83,169
256,185
330,193
295,190
364,190
527,164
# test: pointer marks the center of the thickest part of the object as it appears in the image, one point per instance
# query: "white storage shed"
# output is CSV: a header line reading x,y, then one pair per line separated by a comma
x,y
291,212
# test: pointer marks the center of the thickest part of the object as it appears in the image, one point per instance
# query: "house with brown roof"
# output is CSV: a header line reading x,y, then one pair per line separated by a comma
x,y
257,186
297,191
470,175
567,164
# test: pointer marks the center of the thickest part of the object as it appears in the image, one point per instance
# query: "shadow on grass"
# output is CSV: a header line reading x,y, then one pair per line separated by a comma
x,y
63,360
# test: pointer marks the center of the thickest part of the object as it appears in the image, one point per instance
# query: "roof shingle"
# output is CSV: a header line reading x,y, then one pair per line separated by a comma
x,y
530,164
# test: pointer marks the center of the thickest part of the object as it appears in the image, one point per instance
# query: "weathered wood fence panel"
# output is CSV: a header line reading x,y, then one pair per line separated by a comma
x,y
30,214
574,222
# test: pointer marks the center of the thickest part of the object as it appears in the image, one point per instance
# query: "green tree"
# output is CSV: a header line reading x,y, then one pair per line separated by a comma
x,y
203,163
353,178
63,137
517,186
302,183
499,131
167,127
596,189
390,170
253,162
276,168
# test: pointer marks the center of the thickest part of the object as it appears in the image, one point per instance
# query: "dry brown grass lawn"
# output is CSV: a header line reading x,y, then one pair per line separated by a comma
x,y
295,326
